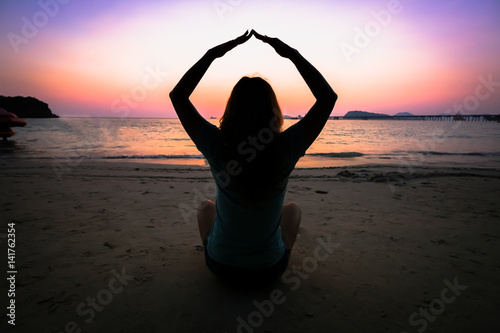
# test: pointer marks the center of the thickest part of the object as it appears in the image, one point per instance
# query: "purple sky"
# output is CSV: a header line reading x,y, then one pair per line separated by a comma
x,y
121,58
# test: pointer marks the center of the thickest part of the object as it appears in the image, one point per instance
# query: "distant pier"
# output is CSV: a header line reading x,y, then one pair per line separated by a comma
x,y
462,117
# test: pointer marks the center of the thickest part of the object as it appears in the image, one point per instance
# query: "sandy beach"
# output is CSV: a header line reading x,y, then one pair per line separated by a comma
x,y
114,247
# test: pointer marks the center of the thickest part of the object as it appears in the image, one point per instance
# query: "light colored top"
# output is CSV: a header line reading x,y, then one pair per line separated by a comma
x,y
246,234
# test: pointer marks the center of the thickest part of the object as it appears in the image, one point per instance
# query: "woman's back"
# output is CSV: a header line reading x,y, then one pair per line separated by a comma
x,y
248,232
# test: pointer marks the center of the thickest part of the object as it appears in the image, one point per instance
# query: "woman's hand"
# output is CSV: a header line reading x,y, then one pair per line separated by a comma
x,y
220,50
281,48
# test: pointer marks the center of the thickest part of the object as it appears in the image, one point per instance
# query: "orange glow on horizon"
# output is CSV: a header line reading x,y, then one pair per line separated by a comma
x,y
91,61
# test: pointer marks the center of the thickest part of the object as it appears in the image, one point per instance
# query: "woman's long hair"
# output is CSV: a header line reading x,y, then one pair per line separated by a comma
x,y
250,128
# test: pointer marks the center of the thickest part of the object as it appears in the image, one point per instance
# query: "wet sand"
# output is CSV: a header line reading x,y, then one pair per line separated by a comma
x,y
114,247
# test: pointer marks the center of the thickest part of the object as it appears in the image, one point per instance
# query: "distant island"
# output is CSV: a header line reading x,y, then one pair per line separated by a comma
x,y
363,114
291,117
26,107
404,114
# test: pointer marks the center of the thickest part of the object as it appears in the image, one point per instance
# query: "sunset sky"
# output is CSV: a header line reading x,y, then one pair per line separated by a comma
x,y
121,58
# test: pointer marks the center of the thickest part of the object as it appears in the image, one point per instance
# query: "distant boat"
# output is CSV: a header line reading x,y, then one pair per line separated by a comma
x,y
8,120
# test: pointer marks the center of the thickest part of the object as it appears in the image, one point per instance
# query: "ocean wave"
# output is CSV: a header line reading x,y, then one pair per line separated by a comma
x,y
338,155
442,153
331,155
111,157
147,157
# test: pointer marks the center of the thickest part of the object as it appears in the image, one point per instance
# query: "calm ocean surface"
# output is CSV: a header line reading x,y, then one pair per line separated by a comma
x,y
342,142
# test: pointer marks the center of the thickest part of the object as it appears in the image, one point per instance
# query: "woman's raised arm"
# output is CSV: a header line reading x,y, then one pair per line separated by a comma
x,y
190,118
315,119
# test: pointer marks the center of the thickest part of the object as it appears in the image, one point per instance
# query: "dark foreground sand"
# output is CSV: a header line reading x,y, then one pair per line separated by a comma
x,y
114,247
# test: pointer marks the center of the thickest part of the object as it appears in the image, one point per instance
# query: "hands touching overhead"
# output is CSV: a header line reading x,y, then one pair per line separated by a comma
x,y
281,48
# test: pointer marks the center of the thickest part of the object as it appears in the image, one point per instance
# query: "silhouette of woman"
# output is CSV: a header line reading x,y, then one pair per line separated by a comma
x,y
248,233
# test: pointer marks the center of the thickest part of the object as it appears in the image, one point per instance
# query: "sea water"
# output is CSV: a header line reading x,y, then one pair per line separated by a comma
x,y
341,143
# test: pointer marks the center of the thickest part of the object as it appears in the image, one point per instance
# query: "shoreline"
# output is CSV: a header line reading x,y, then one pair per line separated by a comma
x,y
125,236
358,172
178,162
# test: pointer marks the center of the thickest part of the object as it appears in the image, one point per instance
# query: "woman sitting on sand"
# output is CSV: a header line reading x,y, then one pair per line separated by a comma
x,y
248,233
